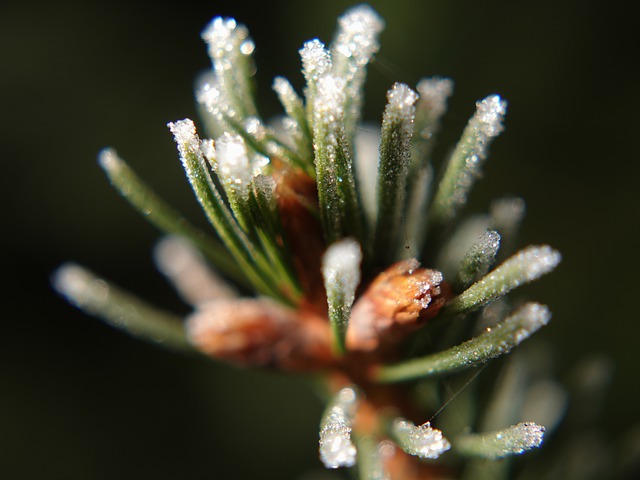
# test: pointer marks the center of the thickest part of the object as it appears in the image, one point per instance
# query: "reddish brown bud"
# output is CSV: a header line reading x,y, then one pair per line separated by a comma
x,y
297,200
259,332
396,303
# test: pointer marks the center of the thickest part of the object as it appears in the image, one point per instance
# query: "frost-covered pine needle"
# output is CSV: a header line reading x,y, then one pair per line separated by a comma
x,y
186,269
236,169
494,342
193,161
479,258
423,441
336,447
296,124
459,242
513,440
466,160
355,44
341,273
316,63
244,252
395,151
230,49
232,164
337,196
430,107
118,308
525,266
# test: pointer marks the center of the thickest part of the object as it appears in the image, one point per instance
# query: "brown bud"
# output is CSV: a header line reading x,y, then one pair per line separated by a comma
x,y
260,332
396,303
297,200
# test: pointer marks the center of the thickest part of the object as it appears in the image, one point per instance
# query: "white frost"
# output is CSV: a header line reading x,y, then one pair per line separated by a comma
x,y
513,440
341,265
519,438
336,447
329,101
525,266
400,107
531,317
489,116
184,133
316,60
423,441
234,166
357,36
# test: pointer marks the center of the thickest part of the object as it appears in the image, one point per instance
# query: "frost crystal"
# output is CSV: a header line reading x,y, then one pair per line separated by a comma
x,y
524,436
357,36
316,62
395,151
341,273
536,261
525,266
400,107
329,101
479,257
513,440
336,447
355,44
216,104
423,441
184,133
232,162
230,48
531,317
341,267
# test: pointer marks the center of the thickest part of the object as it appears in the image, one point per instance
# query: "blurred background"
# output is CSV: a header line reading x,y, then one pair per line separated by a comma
x,y
80,400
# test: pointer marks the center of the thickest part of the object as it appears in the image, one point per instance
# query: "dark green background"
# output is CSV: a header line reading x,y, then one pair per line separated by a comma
x,y
79,400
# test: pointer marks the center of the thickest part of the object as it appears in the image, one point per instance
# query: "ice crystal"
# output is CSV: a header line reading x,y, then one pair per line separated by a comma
x,y
341,268
336,446
526,266
513,440
424,441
